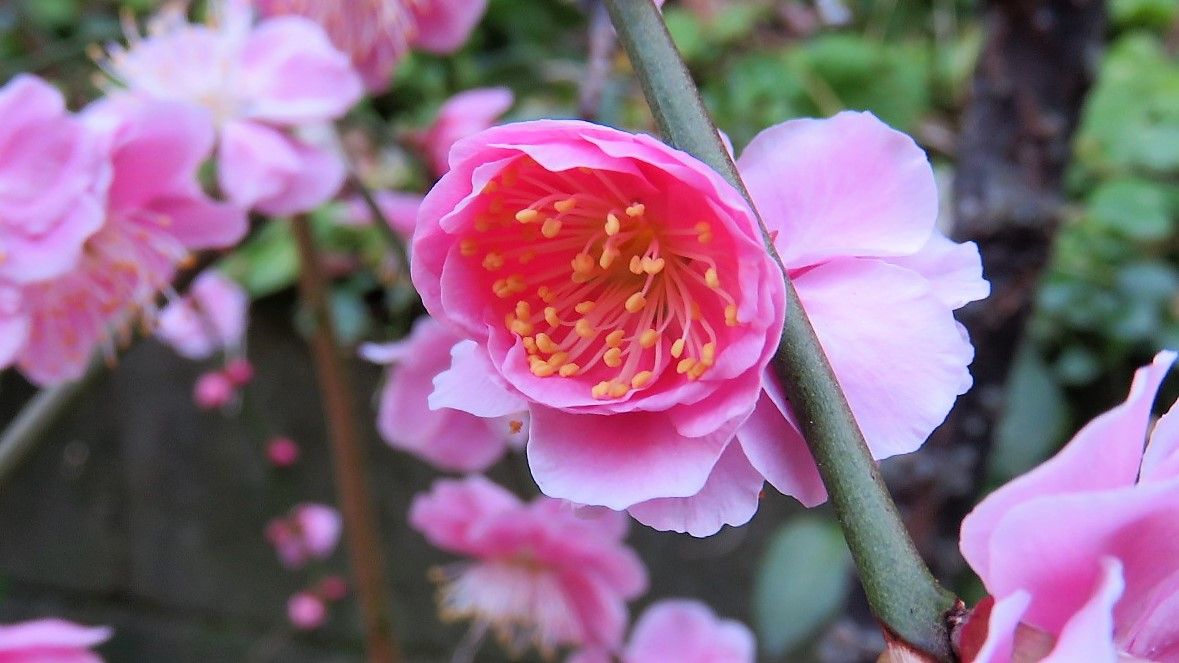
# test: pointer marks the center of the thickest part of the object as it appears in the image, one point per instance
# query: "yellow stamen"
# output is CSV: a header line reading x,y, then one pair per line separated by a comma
x,y
641,378
711,278
731,315
565,206
468,247
551,227
636,210
551,317
613,357
613,225
635,302
614,338
600,389
649,338
685,365
584,307
618,389
653,265
527,215
677,348
493,261
584,329
545,343
569,370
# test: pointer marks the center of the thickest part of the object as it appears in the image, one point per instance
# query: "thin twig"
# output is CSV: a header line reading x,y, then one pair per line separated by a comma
x,y
356,506
603,42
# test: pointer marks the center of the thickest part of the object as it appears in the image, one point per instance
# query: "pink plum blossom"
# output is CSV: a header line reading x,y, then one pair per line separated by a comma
x,y
683,631
448,439
211,317
51,641
306,611
539,573
462,115
239,371
332,588
282,452
399,208
616,285
376,34
155,214
212,390
53,177
268,87
1081,554
310,531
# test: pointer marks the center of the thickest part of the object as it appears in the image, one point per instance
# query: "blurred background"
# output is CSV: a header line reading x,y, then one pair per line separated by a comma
x,y
1053,126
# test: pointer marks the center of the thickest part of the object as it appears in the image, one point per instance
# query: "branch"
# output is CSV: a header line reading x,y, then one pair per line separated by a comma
x,y
360,524
901,591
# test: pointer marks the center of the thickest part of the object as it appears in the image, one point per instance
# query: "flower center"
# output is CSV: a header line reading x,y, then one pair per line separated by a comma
x,y
600,284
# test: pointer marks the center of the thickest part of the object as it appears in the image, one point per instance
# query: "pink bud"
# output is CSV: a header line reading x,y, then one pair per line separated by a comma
x,y
332,588
239,371
306,611
282,452
212,390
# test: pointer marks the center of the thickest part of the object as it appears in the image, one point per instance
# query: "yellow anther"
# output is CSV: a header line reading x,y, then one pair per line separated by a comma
x,y
613,225
704,238
516,283
542,370
703,227
653,265
468,247
527,257
582,263
501,289
567,205
636,265
618,389
509,178
613,357
648,338
685,365
609,253
527,215
551,227
530,345
695,311
551,317
515,426
482,224
559,359
523,309
635,302
614,338
711,278
636,210
493,261
584,307
641,379
584,329
708,354
545,293
569,370
521,327
600,389
546,344
731,315
677,348
496,207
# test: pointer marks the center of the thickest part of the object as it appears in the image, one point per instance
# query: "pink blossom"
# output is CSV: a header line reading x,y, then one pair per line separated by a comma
x,y
268,87
449,439
51,641
1082,553
282,452
239,371
399,208
539,573
53,176
155,213
332,588
212,390
683,631
617,286
306,611
308,532
210,318
376,34
462,115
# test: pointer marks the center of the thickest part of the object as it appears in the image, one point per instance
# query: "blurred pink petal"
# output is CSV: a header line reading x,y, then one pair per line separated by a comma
x,y
214,306
309,532
306,611
688,632
282,452
212,390
51,641
443,26
462,115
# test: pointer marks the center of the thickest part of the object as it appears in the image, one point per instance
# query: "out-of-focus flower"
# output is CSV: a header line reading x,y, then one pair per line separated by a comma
x,y
53,177
617,285
306,611
155,213
267,87
462,115
239,371
308,532
1081,554
377,33
211,317
448,439
399,208
212,390
282,452
540,574
51,641
332,588
683,631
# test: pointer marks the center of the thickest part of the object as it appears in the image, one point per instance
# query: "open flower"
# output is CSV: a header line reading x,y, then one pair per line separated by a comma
x,y
462,115
211,317
618,286
1081,555
448,439
51,641
268,88
53,176
540,574
683,631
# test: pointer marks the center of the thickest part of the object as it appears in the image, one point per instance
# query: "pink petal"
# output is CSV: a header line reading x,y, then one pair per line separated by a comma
x,y
688,631
894,346
462,115
1154,635
618,460
1001,628
199,222
1160,462
953,270
774,446
1105,454
729,497
51,641
1089,634
845,186
318,176
450,514
468,385
14,325
254,162
444,25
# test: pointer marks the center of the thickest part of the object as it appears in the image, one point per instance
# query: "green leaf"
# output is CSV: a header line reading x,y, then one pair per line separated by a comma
x,y
801,583
1134,208
266,264
1035,420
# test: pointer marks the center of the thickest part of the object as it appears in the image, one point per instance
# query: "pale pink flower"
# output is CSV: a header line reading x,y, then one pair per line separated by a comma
x,y
683,631
212,390
155,213
1082,553
53,176
408,419
282,452
268,88
240,371
210,318
306,611
462,115
309,532
14,324
540,573
399,208
376,34
618,286
51,641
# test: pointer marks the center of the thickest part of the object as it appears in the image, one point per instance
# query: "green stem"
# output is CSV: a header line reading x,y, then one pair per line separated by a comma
x,y
37,418
901,591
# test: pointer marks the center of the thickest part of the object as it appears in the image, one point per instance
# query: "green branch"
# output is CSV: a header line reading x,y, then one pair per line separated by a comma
x,y
901,591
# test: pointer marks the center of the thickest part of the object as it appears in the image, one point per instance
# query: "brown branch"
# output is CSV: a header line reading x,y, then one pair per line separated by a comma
x,y
356,506
603,44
